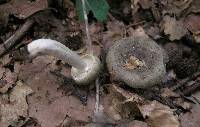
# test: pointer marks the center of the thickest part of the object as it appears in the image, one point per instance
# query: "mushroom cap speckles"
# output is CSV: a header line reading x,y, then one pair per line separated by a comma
x,y
146,50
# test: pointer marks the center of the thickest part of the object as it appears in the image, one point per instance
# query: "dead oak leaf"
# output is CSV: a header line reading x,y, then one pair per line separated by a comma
x,y
14,105
195,7
124,104
193,25
23,8
115,31
146,4
134,6
191,119
175,7
133,63
158,114
175,29
2,71
8,80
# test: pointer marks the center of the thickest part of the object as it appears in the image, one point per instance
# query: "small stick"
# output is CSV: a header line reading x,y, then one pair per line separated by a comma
x,y
88,40
97,96
184,81
192,88
13,40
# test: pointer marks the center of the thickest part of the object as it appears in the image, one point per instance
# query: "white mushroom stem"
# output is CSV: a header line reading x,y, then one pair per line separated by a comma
x,y
84,70
56,49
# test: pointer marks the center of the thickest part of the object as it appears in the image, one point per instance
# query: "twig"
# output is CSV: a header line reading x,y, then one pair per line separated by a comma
x,y
192,88
13,40
184,81
88,40
135,24
97,96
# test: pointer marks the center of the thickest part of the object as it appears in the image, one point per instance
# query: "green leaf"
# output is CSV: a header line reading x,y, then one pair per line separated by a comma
x,y
99,8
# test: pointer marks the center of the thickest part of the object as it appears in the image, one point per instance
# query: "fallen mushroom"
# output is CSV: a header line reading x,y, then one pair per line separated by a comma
x,y
137,61
84,69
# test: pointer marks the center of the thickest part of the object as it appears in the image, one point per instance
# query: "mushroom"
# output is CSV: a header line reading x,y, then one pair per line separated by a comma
x,y
137,61
84,70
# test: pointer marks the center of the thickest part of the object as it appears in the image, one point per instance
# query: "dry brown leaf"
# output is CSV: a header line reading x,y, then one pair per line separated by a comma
x,y
137,32
123,104
131,123
195,7
191,119
159,114
50,104
4,17
23,8
176,7
181,103
2,71
115,31
175,29
167,93
7,81
6,59
29,70
118,111
193,25
146,4
123,110
133,63
154,32
156,113
14,106
134,6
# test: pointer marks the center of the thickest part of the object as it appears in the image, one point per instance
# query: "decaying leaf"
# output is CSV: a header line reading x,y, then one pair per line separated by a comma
x,y
123,110
123,104
154,112
146,4
191,119
176,7
6,59
2,71
132,123
8,80
3,19
50,104
175,29
154,32
193,25
13,106
195,7
23,8
167,93
134,6
158,114
114,32
133,63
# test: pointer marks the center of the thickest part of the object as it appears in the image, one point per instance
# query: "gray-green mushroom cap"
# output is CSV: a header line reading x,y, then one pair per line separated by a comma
x,y
137,61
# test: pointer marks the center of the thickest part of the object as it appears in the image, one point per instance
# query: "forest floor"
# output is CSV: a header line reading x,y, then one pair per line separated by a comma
x,y
41,93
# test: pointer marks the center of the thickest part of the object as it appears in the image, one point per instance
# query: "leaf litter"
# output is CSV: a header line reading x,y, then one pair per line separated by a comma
x,y
33,95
